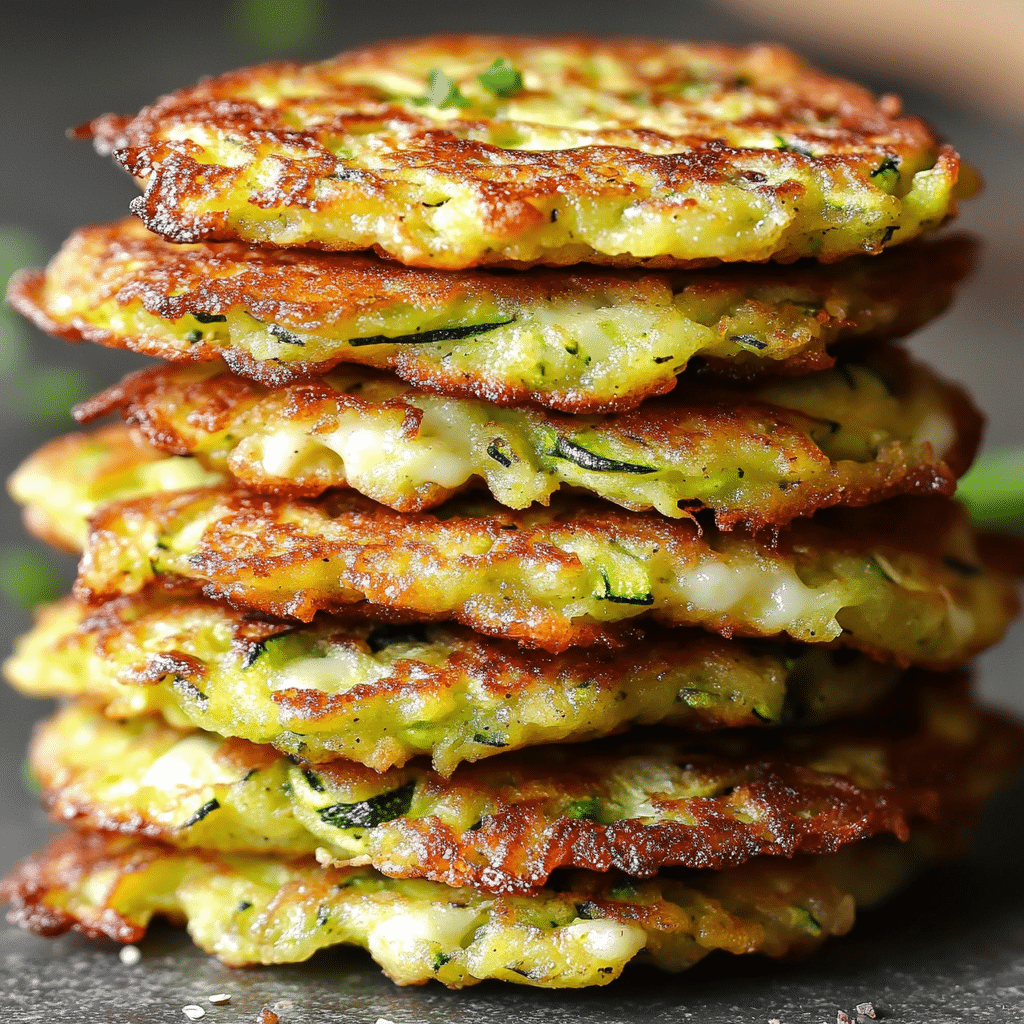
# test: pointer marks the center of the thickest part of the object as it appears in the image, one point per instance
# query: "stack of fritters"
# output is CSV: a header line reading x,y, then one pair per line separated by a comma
x,y
512,621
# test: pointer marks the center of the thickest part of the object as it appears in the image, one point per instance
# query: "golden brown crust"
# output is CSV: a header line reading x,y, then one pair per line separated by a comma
x,y
319,293
900,580
249,909
773,136
67,860
769,802
788,467
634,806
442,691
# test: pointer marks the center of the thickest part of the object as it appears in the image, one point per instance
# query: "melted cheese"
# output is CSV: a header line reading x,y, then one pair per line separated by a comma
x,y
607,940
344,668
771,595
190,764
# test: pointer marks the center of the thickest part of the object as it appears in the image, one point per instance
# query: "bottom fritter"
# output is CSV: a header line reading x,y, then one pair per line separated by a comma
x,y
580,930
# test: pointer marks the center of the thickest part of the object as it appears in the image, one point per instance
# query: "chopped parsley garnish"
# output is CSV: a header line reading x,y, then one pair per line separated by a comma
x,y
442,92
502,79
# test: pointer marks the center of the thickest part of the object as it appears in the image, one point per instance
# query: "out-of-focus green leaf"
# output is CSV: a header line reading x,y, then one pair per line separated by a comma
x,y
993,490
277,26
13,342
50,392
27,577
30,779
19,248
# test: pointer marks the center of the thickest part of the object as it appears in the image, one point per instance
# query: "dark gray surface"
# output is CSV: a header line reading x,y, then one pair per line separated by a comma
x,y
950,949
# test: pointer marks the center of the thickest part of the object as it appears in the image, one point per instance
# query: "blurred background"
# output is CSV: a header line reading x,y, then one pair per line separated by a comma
x,y
63,64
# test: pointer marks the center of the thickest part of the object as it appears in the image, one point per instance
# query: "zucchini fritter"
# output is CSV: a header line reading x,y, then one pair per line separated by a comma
x,y
583,340
858,433
379,695
63,483
602,152
251,909
634,805
903,580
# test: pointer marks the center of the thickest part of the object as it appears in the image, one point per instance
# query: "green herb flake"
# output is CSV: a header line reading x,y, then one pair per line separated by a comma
x,y
442,92
887,166
253,652
588,809
588,910
813,924
495,452
875,566
502,79
189,691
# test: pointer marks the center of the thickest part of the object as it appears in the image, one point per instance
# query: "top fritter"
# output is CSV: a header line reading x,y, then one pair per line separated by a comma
x,y
454,152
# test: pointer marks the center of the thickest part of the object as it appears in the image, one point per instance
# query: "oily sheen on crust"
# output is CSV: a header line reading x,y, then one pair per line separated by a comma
x,y
611,152
381,694
248,909
904,580
634,805
866,430
579,340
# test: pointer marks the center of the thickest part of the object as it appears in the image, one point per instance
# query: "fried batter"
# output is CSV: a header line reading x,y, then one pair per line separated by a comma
x,y
584,340
902,580
248,909
379,695
858,433
503,826
623,152
65,481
